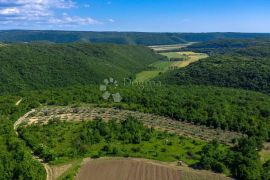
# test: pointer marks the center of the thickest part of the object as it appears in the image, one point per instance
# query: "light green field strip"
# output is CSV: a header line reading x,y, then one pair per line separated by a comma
x,y
163,66
170,47
146,75
172,55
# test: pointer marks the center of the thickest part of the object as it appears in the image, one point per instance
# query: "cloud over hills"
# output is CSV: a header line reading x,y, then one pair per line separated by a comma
x,y
43,12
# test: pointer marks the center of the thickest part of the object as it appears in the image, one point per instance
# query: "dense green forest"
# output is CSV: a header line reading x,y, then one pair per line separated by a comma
x,y
245,111
44,65
132,38
232,63
222,46
237,110
16,161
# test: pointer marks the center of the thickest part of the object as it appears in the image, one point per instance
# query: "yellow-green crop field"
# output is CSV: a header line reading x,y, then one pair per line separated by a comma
x,y
163,66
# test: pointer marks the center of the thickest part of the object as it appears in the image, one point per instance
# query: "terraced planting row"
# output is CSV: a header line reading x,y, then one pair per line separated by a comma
x,y
159,122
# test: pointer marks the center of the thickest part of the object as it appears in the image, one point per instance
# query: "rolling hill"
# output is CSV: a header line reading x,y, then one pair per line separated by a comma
x,y
44,65
239,64
132,38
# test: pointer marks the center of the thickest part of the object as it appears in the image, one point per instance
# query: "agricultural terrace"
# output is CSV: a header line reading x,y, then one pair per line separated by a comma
x,y
44,115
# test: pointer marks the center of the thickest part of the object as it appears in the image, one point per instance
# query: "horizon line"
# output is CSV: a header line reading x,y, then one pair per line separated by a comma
x,y
202,32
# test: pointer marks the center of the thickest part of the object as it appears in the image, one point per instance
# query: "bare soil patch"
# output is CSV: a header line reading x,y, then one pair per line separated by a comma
x,y
139,169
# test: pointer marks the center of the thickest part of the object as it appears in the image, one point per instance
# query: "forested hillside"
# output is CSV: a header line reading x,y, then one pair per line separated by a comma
x,y
43,65
133,38
238,110
239,64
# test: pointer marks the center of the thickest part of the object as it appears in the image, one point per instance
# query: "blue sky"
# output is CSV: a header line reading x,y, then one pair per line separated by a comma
x,y
137,15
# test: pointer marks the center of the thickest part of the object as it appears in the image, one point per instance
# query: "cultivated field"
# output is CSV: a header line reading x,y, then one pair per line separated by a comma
x,y
162,66
170,47
190,57
158,122
139,169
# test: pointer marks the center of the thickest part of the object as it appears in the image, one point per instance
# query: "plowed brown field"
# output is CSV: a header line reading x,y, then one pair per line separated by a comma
x,y
137,169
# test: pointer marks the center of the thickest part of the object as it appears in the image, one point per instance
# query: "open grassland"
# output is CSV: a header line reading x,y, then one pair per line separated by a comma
x,y
139,169
161,65
187,56
172,55
157,68
146,75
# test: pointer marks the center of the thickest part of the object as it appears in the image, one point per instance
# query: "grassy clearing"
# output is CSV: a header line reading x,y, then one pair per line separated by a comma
x,y
187,56
146,75
61,142
170,47
158,67
72,171
172,55
163,66
265,153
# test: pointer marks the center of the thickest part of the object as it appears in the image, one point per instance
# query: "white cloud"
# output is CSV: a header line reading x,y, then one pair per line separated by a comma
x,y
9,11
40,12
72,20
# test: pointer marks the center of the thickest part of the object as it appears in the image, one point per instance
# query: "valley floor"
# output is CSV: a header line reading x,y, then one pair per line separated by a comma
x,y
160,67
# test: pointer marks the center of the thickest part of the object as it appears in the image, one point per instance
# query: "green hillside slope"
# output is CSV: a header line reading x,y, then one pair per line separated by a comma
x,y
38,66
224,108
232,64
